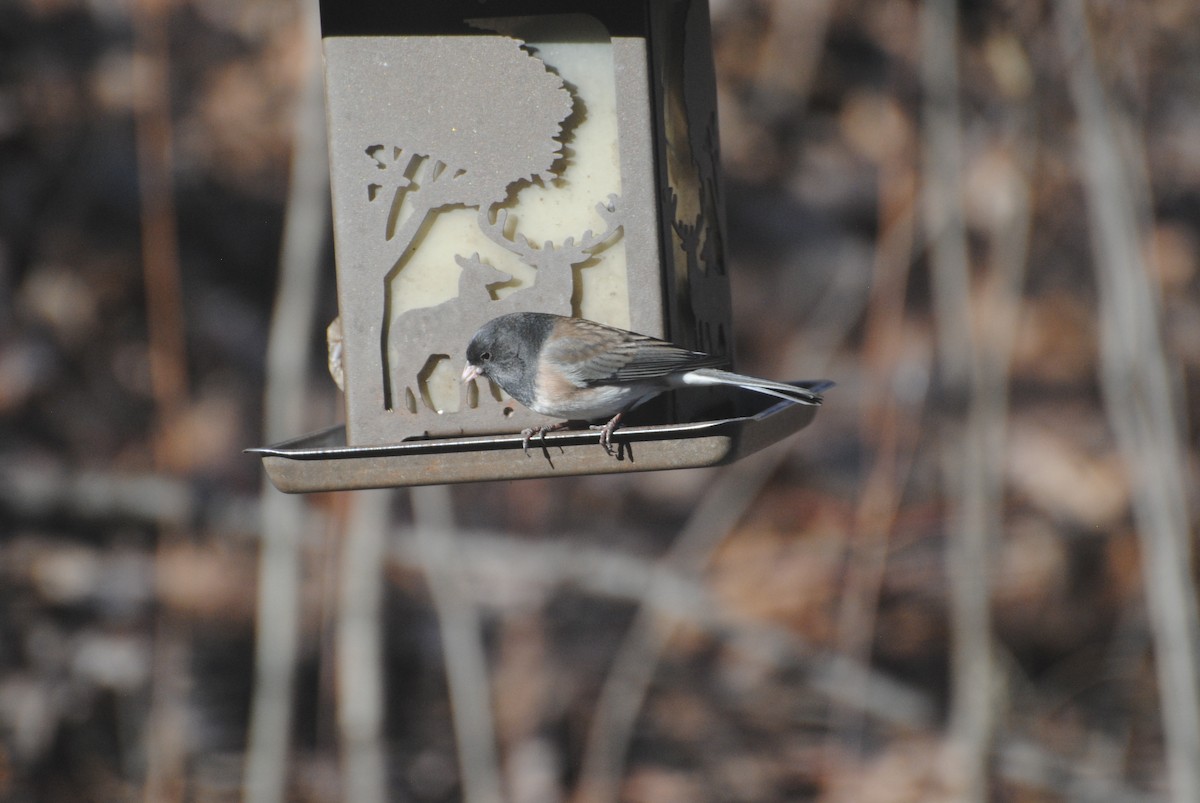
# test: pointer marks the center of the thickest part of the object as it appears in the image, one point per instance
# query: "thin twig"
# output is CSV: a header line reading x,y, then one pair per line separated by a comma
x,y
636,662
792,48
1028,764
889,424
359,637
964,456
1138,396
160,241
305,231
166,740
37,491
462,644
495,563
306,221
506,572
276,637
627,683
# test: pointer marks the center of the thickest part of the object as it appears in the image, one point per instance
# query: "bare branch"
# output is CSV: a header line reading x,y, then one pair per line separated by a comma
x,y
360,685
283,517
462,644
1138,394
628,680
971,519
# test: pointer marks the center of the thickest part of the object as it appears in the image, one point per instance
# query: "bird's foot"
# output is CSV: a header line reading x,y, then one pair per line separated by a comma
x,y
606,432
528,434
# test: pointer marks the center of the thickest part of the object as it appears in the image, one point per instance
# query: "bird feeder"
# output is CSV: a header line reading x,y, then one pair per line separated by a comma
x,y
507,155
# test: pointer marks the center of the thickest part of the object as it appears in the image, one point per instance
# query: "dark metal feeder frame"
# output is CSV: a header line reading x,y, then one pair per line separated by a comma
x,y
548,155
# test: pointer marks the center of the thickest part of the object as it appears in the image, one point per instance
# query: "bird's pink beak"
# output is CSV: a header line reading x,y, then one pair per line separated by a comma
x,y
470,372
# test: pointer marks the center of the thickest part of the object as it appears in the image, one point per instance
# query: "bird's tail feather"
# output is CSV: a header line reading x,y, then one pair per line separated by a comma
x,y
802,392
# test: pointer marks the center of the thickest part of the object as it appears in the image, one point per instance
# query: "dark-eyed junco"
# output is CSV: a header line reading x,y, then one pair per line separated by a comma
x,y
581,370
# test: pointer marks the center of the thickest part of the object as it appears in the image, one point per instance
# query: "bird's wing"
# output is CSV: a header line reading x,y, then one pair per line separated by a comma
x,y
595,354
656,359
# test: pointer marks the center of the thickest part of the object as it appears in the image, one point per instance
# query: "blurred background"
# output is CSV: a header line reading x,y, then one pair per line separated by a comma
x,y
970,579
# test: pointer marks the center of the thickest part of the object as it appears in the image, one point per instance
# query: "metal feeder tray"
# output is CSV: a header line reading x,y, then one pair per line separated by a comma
x,y
321,461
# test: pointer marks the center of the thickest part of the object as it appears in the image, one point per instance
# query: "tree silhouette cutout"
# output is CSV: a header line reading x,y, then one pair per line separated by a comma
x,y
471,118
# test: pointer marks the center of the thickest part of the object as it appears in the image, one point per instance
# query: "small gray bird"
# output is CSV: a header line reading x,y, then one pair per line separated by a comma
x,y
581,370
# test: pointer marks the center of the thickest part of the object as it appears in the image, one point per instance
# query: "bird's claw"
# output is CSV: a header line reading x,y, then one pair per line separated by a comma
x,y
606,433
528,433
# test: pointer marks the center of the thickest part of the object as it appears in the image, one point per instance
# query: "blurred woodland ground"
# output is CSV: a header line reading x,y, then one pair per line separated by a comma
x,y
970,578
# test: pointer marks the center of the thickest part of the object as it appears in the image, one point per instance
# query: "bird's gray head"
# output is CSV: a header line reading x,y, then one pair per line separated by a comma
x,y
505,350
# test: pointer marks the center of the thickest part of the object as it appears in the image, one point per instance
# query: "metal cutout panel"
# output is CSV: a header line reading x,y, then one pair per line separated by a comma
x,y
558,157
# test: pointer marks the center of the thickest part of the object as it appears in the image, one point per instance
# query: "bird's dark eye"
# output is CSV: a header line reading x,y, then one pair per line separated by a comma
x,y
487,355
